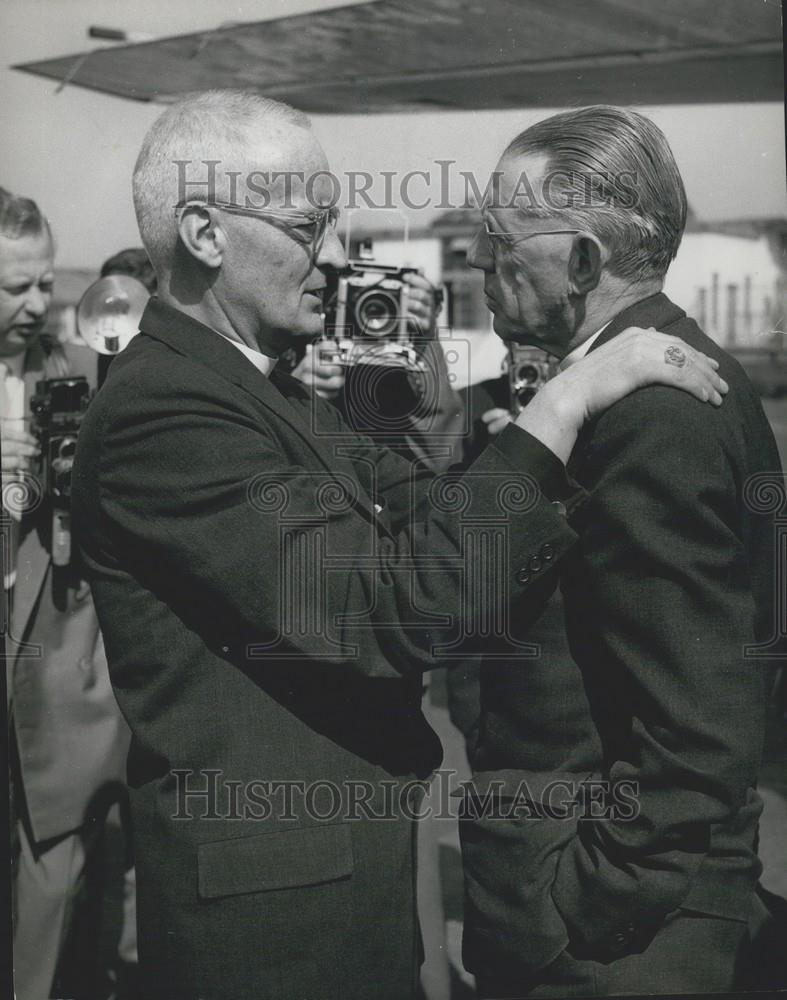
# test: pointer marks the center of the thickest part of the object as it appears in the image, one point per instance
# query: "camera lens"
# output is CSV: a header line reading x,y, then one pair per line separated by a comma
x,y
377,313
67,449
527,375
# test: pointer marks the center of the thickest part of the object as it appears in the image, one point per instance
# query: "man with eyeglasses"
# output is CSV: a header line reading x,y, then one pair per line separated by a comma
x,y
630,744
271,587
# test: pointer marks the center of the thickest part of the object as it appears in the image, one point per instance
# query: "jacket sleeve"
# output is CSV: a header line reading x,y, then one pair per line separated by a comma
x,y
279,556
439,423
659,608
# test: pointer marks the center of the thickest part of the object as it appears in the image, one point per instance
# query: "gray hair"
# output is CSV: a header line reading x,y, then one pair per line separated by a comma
x,y
211,125
20,216
637,204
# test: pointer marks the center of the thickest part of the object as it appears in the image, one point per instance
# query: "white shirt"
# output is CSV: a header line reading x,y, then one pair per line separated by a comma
x,y
260,361
579,352
12,394
12,412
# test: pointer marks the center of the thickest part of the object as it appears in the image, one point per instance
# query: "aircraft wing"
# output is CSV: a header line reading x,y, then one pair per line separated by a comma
x,y
394,55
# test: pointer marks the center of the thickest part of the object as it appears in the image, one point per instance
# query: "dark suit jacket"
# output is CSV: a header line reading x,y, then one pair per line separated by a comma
x,y
269,588
671,580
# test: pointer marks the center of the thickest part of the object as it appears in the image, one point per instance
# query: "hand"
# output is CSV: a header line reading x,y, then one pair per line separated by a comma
x,y
326,378
633,359
636,358
19,446
496,420
421,304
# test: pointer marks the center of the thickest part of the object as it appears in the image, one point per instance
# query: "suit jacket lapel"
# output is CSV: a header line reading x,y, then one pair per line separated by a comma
x,y
32,563
196,341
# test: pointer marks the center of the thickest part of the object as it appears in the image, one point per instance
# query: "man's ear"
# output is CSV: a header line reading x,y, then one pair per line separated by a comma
x,y
202,234
585,264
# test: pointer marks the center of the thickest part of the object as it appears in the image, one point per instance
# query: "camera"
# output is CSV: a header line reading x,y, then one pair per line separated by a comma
x,y
58,407
528,370
366,316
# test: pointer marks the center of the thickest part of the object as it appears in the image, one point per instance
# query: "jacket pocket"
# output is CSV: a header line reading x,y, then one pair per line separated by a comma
x,y
281,860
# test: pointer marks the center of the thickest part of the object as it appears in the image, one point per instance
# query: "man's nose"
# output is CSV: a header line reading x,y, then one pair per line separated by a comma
x,y
36,302
479,253
331,252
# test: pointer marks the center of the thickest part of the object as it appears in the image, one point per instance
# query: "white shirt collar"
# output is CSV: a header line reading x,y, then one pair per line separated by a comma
x,y
581,350
260,361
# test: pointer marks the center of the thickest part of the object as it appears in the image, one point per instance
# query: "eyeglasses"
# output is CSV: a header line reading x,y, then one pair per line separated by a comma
x,y
526,236
308,228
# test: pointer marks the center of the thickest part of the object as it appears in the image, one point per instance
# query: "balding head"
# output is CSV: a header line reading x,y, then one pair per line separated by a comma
x,y
238,132
233,201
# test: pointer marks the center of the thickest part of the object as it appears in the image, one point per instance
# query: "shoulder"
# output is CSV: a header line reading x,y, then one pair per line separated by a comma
x,y
659,413
659,431
157,400
149,374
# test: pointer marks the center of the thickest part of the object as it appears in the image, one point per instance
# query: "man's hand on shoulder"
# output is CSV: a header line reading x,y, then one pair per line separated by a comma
x,y
632,360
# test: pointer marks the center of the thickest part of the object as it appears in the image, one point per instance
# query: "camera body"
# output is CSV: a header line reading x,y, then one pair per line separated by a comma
x,y
528,368
58,407
366,317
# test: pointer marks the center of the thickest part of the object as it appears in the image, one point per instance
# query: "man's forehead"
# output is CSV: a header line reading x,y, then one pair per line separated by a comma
x,y
518,183
282,148
25,254
290,166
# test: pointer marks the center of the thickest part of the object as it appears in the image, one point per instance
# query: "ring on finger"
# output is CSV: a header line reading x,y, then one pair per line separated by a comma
x,y
675,356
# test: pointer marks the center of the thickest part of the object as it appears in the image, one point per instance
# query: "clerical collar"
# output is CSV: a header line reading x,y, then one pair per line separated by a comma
x,y
260,361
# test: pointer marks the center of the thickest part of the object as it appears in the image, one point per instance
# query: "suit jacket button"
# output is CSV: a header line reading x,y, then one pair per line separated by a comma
x,y
620,941
535,564
560,507
547,552
523,575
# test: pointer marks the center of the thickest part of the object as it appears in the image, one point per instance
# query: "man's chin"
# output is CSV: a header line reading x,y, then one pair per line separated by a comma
x,y
514,334
501,327
308,331
19,341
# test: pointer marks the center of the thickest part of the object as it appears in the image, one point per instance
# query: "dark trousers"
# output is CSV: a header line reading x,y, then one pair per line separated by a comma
x,y
692,953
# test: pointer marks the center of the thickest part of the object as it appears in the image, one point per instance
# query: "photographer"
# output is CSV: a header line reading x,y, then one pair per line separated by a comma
x,y
68,740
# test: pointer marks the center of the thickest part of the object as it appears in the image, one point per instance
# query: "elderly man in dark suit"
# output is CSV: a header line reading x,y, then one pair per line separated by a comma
x,y
641,880
270,587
